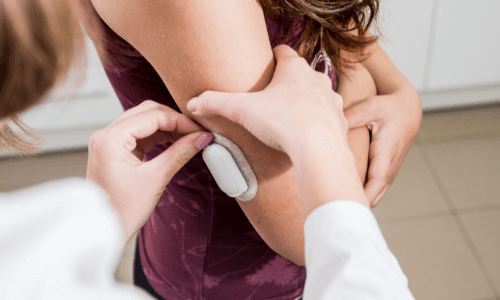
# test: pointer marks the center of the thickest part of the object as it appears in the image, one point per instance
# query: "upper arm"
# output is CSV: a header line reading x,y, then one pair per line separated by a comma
x,y
196,45
222,45
199,45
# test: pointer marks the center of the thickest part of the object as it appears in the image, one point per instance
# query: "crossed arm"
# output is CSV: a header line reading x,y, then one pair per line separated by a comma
x,y
223,45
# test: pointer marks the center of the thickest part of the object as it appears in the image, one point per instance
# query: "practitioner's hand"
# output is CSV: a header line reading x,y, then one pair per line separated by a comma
x,y
394,121
116,158
297,100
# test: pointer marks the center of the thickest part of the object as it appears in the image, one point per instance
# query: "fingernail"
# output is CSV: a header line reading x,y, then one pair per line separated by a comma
x,y
203,141
191,105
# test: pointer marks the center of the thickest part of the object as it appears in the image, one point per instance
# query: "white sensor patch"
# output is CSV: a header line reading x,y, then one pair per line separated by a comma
x,y
232,172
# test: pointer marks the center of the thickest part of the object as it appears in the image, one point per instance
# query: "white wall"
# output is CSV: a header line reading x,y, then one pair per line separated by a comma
x,y
405,26
466,46
448,49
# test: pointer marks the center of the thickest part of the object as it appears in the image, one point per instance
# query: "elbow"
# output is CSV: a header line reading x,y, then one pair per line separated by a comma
x,y
301,261
298,259
295,255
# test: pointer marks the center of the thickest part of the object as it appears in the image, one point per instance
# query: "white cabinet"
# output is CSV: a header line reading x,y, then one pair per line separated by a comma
x,y
448,49
466,46
405,26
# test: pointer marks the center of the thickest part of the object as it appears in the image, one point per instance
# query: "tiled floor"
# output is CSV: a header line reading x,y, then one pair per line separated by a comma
x,y
441,217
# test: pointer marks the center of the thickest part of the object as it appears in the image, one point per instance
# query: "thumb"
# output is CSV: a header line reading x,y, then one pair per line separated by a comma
x,y
360,114
180,153
228,105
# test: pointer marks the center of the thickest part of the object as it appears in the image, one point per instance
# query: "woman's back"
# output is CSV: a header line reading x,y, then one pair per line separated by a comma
x,y
198,243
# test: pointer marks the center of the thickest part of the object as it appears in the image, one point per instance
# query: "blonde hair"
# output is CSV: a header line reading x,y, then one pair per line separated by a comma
x,y
39,41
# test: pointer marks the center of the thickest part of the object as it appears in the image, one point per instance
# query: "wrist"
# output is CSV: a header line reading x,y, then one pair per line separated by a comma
x,y
326,169
323,181
323,140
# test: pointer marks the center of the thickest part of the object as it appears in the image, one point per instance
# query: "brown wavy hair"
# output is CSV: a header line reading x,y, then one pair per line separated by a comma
x,y
340,27
39,42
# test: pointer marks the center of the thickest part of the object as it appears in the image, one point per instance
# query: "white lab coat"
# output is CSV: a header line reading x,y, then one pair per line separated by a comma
x,y
62,240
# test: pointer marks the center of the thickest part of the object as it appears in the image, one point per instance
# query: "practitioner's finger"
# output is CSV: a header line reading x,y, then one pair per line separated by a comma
x,y
147,123
145,106
147,144
232,106
168,163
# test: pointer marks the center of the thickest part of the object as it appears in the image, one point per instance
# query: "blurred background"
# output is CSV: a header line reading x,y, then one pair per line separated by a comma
x,y
441,217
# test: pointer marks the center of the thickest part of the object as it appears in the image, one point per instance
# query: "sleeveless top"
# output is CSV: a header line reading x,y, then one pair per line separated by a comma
x,y
198,243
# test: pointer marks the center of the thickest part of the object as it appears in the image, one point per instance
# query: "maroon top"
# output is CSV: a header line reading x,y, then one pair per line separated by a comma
x,y
198,243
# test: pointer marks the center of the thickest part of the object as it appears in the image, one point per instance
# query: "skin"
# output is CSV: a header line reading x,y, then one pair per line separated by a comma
x,y
3,122
122,144
227,49
310,128
394,116
356,85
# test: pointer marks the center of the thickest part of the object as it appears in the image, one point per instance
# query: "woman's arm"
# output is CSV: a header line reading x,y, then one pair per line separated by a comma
x,y
388,79
219,45
394,117
356,85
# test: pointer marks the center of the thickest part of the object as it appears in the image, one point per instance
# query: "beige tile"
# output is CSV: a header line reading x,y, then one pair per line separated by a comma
x,y
436,259
483,228
125,271
19,173
469,170
444,126
414,193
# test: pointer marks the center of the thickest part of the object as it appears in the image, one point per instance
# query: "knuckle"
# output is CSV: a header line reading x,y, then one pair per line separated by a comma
x,y
150,104
324,80
203,100
96,140
182,156
158,110
303,62
298,63
381,182
338,100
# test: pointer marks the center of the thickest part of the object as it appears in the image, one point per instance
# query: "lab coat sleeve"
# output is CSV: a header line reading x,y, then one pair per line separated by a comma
x,y
61,240
347,256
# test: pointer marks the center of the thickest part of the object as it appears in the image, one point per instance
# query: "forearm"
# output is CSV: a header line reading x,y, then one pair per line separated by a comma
x,y
325,173
388,79
288,239
276,212
355,86
330,166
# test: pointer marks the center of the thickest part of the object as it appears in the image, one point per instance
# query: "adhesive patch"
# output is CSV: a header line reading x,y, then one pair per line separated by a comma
x,y
243,165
